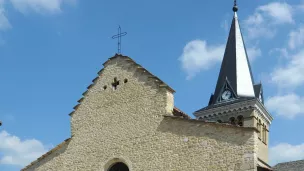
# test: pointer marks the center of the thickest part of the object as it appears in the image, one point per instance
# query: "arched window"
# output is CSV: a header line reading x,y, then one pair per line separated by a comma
x,y
219,121
263,133
119,167
259,128
266,134
240,120
232,120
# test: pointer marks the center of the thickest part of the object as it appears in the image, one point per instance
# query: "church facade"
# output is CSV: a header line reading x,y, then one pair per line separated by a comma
x,y
127,121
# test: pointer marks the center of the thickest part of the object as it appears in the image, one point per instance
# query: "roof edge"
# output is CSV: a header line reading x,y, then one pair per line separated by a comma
x,y
47,154
159,82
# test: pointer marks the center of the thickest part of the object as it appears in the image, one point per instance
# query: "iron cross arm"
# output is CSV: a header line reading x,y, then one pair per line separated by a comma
x,y
119,35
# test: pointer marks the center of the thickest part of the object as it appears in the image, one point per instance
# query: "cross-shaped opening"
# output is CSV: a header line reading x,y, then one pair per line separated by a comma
x,y
115,83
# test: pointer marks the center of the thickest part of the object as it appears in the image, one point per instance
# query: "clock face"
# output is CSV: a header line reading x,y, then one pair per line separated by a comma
x,y
226,95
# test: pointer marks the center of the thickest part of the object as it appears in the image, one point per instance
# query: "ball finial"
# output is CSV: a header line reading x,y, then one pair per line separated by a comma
x,y
235,7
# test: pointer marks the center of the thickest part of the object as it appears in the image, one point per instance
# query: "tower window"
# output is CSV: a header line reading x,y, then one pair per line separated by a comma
x,y
240,120
232,121
263,132
259,128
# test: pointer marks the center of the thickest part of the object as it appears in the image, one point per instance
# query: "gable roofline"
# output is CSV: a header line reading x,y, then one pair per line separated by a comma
x,y
47,154
157,80
177,112
264,163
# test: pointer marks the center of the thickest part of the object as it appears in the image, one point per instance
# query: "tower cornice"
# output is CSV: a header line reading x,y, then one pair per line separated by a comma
x,y
235,106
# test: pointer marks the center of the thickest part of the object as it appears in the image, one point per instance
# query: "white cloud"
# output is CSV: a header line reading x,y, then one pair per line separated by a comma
x,y
280,13
253,53
197,56
291,75
40,6
4,23
288,106
296,38
283,52
285,152
25,6
265,19
15,151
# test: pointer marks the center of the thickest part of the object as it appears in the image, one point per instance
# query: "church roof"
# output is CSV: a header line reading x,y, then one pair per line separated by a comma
x,y
179,113
235,65
290,166
224,104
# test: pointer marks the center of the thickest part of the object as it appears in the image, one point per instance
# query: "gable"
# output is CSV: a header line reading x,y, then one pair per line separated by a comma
x,y
137,99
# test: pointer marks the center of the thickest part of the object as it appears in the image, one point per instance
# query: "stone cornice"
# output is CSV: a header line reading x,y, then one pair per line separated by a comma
x,y
237,107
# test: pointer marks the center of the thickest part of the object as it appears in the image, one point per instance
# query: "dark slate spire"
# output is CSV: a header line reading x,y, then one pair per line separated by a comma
x,y
235,66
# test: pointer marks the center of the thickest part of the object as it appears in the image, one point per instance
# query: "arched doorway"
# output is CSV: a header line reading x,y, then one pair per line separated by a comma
x,y
119,167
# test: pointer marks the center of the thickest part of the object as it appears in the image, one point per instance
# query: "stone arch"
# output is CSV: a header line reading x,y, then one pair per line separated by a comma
x,y
119,166
232,120
240,120
116,164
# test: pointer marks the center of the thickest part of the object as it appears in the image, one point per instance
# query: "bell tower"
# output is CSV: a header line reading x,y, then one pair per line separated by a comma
x,y
237,99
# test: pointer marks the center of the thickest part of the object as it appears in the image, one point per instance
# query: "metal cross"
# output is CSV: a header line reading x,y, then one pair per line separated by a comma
x,y
118,36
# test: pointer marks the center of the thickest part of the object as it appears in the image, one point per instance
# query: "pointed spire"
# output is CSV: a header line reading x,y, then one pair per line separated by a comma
x,y
235,65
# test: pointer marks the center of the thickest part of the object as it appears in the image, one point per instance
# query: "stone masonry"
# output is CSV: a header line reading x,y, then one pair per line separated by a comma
x,y
133,123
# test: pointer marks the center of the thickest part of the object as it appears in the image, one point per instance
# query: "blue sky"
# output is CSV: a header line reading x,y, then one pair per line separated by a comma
x,y
50,50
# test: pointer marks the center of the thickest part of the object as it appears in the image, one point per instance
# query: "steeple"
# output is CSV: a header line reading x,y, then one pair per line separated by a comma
x,y
235,78
236,100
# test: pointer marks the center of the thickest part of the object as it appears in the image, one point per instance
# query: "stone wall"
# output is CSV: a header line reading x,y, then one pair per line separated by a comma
x,y
262,147
128,125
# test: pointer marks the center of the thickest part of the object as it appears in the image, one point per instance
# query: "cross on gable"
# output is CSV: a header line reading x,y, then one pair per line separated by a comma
x,y
118,36
115,83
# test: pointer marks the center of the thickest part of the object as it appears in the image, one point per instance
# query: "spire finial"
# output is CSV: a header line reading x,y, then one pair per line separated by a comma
x,y
235,7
